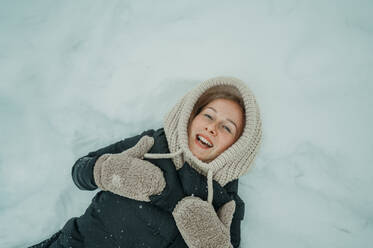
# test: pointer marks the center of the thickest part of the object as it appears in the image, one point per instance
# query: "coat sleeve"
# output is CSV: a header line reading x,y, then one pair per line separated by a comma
x,y
82,170
236,221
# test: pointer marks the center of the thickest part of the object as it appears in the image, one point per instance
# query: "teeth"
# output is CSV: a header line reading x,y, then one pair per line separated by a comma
x,y
204,141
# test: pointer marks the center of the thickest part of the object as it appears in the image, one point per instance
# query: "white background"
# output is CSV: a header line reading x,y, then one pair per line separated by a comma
x,y
78,75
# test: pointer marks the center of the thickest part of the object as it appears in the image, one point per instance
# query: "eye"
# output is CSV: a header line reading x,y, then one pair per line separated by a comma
x,y
227,128
208,116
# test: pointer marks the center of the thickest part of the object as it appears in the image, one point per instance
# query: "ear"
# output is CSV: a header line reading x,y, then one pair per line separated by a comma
x,y
225,213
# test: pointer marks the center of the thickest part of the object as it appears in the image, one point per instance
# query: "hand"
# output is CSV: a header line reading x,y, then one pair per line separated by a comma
x,y
201,226
128,175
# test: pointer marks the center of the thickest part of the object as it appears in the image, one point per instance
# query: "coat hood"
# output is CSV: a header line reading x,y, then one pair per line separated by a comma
x,y
234,161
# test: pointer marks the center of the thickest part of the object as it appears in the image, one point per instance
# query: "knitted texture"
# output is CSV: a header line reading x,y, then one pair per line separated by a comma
x,y
236,160
200,226
128,175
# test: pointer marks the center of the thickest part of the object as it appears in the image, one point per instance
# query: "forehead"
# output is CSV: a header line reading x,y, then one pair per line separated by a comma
x,y
227,109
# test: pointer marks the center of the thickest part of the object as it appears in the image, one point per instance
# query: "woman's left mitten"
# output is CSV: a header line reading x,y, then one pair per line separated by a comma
x,y
199,224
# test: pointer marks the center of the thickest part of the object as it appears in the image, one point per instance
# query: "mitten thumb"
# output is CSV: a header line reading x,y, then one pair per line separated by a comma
x,y
225,213
142,147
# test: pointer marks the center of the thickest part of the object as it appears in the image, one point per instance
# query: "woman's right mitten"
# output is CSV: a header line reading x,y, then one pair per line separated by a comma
x,y
128,175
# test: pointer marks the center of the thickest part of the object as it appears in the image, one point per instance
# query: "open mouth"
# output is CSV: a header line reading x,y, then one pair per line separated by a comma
x,y
203,142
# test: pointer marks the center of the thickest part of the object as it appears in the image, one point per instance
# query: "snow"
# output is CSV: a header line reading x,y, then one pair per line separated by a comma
x,y
78,75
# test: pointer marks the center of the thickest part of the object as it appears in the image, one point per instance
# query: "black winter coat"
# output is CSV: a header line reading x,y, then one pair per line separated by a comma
x,y
115,221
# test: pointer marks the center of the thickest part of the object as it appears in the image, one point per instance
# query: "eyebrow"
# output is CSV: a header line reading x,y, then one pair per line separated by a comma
x,y
226,119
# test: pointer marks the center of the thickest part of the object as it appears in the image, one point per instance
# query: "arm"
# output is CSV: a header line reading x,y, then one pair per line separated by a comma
x,y
82,171
236,221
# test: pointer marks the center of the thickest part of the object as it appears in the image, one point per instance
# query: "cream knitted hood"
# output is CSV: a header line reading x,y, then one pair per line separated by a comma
x,y
233,162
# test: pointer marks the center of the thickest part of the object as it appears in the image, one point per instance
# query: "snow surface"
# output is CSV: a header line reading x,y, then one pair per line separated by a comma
x,y
78,75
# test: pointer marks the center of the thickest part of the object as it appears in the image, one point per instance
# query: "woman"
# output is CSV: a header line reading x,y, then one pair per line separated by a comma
x,y
176,186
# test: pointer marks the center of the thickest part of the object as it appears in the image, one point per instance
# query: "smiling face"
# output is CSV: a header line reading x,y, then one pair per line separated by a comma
x,y
215,128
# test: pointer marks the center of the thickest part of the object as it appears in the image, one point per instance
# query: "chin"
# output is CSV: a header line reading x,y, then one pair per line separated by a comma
x,y
198,156
204,159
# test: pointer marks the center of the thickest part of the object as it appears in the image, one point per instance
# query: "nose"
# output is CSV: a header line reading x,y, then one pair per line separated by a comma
x,y
211,129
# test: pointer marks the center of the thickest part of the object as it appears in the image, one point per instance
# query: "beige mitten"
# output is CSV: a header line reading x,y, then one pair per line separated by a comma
x,y
201,226
127,174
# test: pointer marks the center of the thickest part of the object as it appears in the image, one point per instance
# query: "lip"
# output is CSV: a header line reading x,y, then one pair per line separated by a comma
x,y
199,145
197,142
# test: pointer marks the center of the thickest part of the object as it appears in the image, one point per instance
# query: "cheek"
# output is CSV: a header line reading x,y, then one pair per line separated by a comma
x,y
226,141
192,129
196,123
